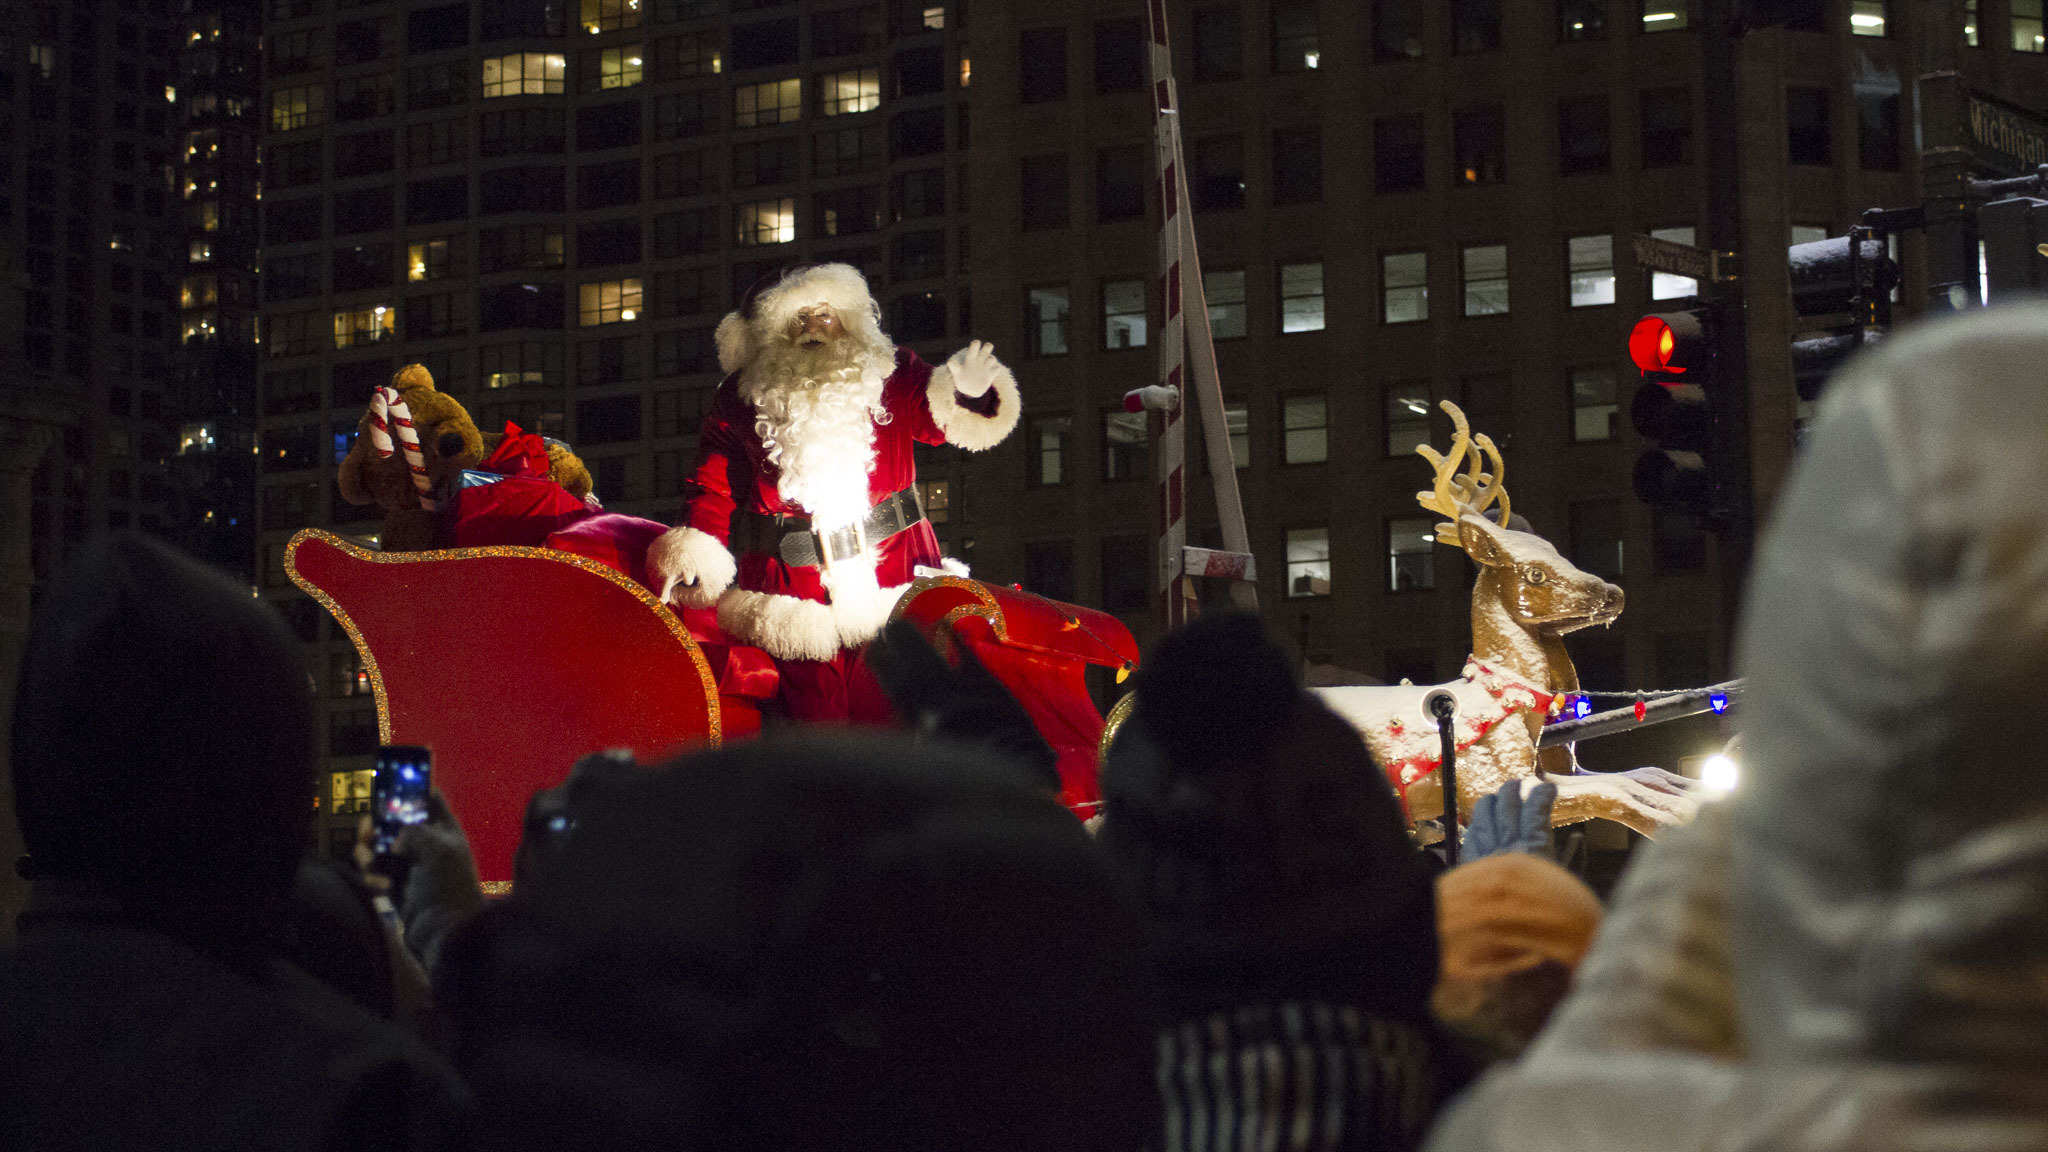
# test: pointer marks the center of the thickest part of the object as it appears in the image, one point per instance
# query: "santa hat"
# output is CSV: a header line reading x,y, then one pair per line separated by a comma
x,y
773,301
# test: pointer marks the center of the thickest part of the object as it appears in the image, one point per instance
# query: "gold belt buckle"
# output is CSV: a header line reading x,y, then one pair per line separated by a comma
x,y
854,536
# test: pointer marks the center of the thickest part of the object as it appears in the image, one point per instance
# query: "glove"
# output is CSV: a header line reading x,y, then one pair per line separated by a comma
x,y
692,567
974,368
1508,821
966,704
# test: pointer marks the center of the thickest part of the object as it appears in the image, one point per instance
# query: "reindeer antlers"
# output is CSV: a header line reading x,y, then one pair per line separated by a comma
x,y
1471,492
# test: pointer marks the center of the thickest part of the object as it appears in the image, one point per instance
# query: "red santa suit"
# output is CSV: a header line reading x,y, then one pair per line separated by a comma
x,y
776,471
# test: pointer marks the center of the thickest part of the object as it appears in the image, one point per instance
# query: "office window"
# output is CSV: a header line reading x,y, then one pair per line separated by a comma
x,y
1123,445
1120,55
684,57
437,85
1217,181
1396,30
1582,19
689,173
1301,298
1044,191
685,292
681,114
1237,421
1297,165
1404,287
608,302
1218,35
917,315
1411,554
518,364
847,31
1798,234
294,108
766,222
848,211
775,102
851,91
432,259
525,74
1596,537
518,248
1877,128
1397,153
1807,137
1678,543
1407,412
1478,145
520,130
432,201
608,185
919,256
1582,145
846,152
1488,401
1049,568
918,132
683,351
601,69
1667,127
434,314
1224,292
610,15
294,165
918,71
1868,17
365,325
1045,438
1591,260
1970,23
1295,44
1485,275
1666,15
1475,26
1596,405
1123,314
613,125
609,242
362,210
1120,177
2026,26
1308,562
1041,65
759,162
1664,285
1304,429
1126,573
1045,320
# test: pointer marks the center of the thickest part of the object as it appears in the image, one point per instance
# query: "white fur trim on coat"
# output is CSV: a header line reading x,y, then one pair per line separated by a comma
x,y
691,566
735,342
792,628
964,427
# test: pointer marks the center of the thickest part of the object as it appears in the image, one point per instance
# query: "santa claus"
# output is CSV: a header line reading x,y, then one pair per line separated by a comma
x,y
805,473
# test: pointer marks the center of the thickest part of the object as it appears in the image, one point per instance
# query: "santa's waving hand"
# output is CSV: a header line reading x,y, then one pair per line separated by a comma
x,y
801,521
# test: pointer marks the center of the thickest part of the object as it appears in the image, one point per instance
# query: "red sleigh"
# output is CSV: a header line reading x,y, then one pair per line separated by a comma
x,y
509,662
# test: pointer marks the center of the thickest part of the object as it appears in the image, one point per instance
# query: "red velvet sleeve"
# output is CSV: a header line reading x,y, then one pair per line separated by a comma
x,y
708,498
905,397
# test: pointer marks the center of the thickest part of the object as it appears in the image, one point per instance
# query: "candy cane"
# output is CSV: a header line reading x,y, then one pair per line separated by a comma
x,y
386,402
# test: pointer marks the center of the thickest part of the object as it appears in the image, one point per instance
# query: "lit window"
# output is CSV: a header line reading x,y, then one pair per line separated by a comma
x,y
1595,410
1592,270
1970,22
1045,320
1123,314
1666,15
1237,419
1486,280
198,292
2026,26
200,252
1123,444
198,328
195,438
935,16
608,302
966,72
525,74
1301,297
759,105
619,67
1404,287
1867,17
43,58
1224,292
767,222
1308,562
1411,554
936,498
1304,429
364,326
610,15
1665,285
1407,418
1046,440
293,108
426,260
844,93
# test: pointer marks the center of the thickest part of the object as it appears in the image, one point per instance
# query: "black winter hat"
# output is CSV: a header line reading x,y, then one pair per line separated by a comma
x,y
162,739
818,943
1259,837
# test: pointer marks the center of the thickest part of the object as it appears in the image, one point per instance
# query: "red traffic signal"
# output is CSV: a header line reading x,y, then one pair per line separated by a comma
x,y
1668,344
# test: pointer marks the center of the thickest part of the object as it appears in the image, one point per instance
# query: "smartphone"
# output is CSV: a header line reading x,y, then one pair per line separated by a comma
x,y
398,792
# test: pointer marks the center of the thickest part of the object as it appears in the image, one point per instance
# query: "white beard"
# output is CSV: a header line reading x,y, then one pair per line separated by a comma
x,y
814,409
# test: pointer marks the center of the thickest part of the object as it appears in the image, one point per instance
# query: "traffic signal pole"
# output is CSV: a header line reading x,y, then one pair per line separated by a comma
x,y
1734,519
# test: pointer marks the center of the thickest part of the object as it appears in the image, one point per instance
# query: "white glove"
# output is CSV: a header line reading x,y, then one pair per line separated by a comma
x,y
692,567
974,368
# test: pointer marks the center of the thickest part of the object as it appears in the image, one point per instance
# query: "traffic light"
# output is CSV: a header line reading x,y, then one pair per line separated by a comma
x,y
1841,297
2013,231
1676,357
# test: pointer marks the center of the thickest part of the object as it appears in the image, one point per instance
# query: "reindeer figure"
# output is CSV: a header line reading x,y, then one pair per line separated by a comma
x,y
1526,598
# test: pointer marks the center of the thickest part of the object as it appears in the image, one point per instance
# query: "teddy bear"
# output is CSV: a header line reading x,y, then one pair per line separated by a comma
x,y
450,442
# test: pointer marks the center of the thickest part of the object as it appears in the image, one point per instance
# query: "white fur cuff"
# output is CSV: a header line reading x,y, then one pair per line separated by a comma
x,y
963,426
792,628
691,566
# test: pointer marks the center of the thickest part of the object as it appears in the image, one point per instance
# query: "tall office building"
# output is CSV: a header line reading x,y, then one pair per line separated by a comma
x,y
550,205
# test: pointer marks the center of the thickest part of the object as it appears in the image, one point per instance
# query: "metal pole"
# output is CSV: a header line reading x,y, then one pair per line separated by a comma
x,y
1169,447
1728,401
1444,707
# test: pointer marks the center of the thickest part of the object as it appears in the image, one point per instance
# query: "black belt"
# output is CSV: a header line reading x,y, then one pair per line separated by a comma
x,y
806,547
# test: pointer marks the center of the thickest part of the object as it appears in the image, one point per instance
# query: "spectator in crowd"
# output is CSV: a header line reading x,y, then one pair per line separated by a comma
x,y
1291,919
809,942
162,750
1848,953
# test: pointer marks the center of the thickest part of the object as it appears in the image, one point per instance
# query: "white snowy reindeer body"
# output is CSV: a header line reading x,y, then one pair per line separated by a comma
x,y
1526,598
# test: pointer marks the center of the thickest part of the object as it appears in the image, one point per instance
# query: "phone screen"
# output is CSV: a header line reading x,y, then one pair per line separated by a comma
x,y
398,794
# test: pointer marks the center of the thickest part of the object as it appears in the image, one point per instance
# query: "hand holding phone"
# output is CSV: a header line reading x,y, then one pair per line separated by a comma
x,y
398,793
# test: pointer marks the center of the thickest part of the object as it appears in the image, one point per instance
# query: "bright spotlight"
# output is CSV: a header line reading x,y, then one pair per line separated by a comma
x,y
1719,773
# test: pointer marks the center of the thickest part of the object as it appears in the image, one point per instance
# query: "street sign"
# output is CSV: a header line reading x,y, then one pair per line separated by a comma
x,y
2004,138
1678,259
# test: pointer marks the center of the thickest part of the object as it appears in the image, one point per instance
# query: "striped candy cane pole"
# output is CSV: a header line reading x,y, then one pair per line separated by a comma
x,y
387,407
1170,448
